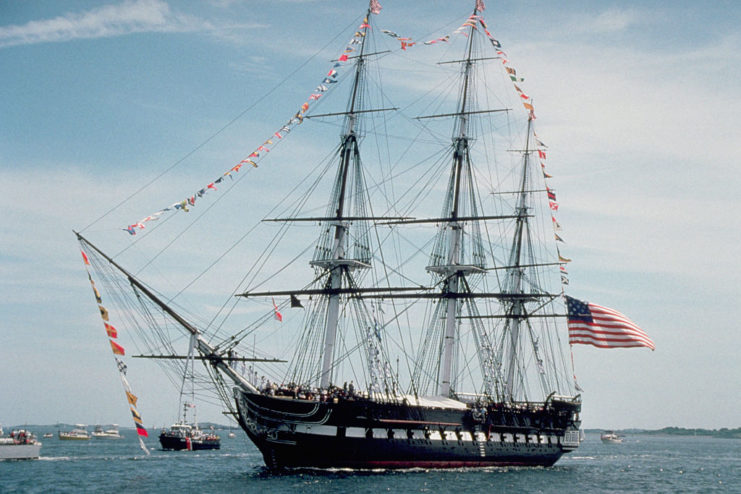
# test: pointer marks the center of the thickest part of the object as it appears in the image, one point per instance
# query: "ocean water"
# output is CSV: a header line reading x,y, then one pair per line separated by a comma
x,y
641,464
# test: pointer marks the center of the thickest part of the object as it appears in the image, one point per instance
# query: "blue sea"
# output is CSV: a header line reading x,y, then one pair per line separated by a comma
x,y
641,464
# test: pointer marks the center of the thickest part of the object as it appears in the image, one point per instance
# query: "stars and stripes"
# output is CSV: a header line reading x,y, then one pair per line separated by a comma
x,y
592,324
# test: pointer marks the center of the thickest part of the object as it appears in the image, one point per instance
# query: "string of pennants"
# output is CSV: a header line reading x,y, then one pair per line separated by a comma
x,y
255,156
117,350
474,21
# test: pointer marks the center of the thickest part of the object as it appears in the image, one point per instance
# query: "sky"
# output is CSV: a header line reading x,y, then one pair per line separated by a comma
x,y
110,111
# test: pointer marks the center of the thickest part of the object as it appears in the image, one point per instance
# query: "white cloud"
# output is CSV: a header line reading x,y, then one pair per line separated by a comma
x,y
128,17
610,21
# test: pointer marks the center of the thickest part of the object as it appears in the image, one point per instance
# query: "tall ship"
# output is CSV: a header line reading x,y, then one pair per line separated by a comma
x,y
423,324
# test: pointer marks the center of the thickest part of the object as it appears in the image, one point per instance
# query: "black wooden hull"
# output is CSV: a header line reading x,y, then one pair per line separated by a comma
x,y
364,434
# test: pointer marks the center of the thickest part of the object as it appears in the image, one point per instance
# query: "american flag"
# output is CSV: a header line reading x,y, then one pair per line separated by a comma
x,y
592,324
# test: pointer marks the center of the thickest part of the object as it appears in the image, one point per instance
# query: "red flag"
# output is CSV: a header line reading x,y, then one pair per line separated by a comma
x,y
541,154
592,324
111,330
141,431
343,58
278,315
117,349
84,258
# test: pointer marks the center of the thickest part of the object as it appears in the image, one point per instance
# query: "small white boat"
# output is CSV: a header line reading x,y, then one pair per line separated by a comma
x,y
20,445
110,433
79,433
610,437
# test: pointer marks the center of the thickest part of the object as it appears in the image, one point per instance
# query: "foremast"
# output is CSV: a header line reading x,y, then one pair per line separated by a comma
x,y
331,255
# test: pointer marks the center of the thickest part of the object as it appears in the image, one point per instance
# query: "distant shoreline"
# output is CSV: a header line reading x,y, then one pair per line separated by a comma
x,y
723,432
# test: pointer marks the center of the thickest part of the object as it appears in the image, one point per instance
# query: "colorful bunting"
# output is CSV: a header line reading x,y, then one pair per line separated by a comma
x,y
112,333
121,366
297,119
471,23
95,291
117,349
131,397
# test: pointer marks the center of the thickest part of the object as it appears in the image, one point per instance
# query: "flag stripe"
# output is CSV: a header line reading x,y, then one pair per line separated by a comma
x,y
602,327
609,337
586,331
613,328
594,338
581,328
600,344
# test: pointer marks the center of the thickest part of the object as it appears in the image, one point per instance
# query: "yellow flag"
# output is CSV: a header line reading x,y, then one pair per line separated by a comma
x,y
103,312
131,397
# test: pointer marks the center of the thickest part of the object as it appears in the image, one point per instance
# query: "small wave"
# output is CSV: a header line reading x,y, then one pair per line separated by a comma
x,y
55,458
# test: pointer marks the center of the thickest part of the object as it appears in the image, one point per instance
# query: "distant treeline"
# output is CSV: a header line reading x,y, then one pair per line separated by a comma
x,y
681,431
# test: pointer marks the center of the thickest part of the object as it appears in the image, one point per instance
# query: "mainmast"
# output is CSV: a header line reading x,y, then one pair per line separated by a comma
x,y
452,270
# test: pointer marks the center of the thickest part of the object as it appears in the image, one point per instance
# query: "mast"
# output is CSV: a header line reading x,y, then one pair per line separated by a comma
x,y
336,263
515,271
453,269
